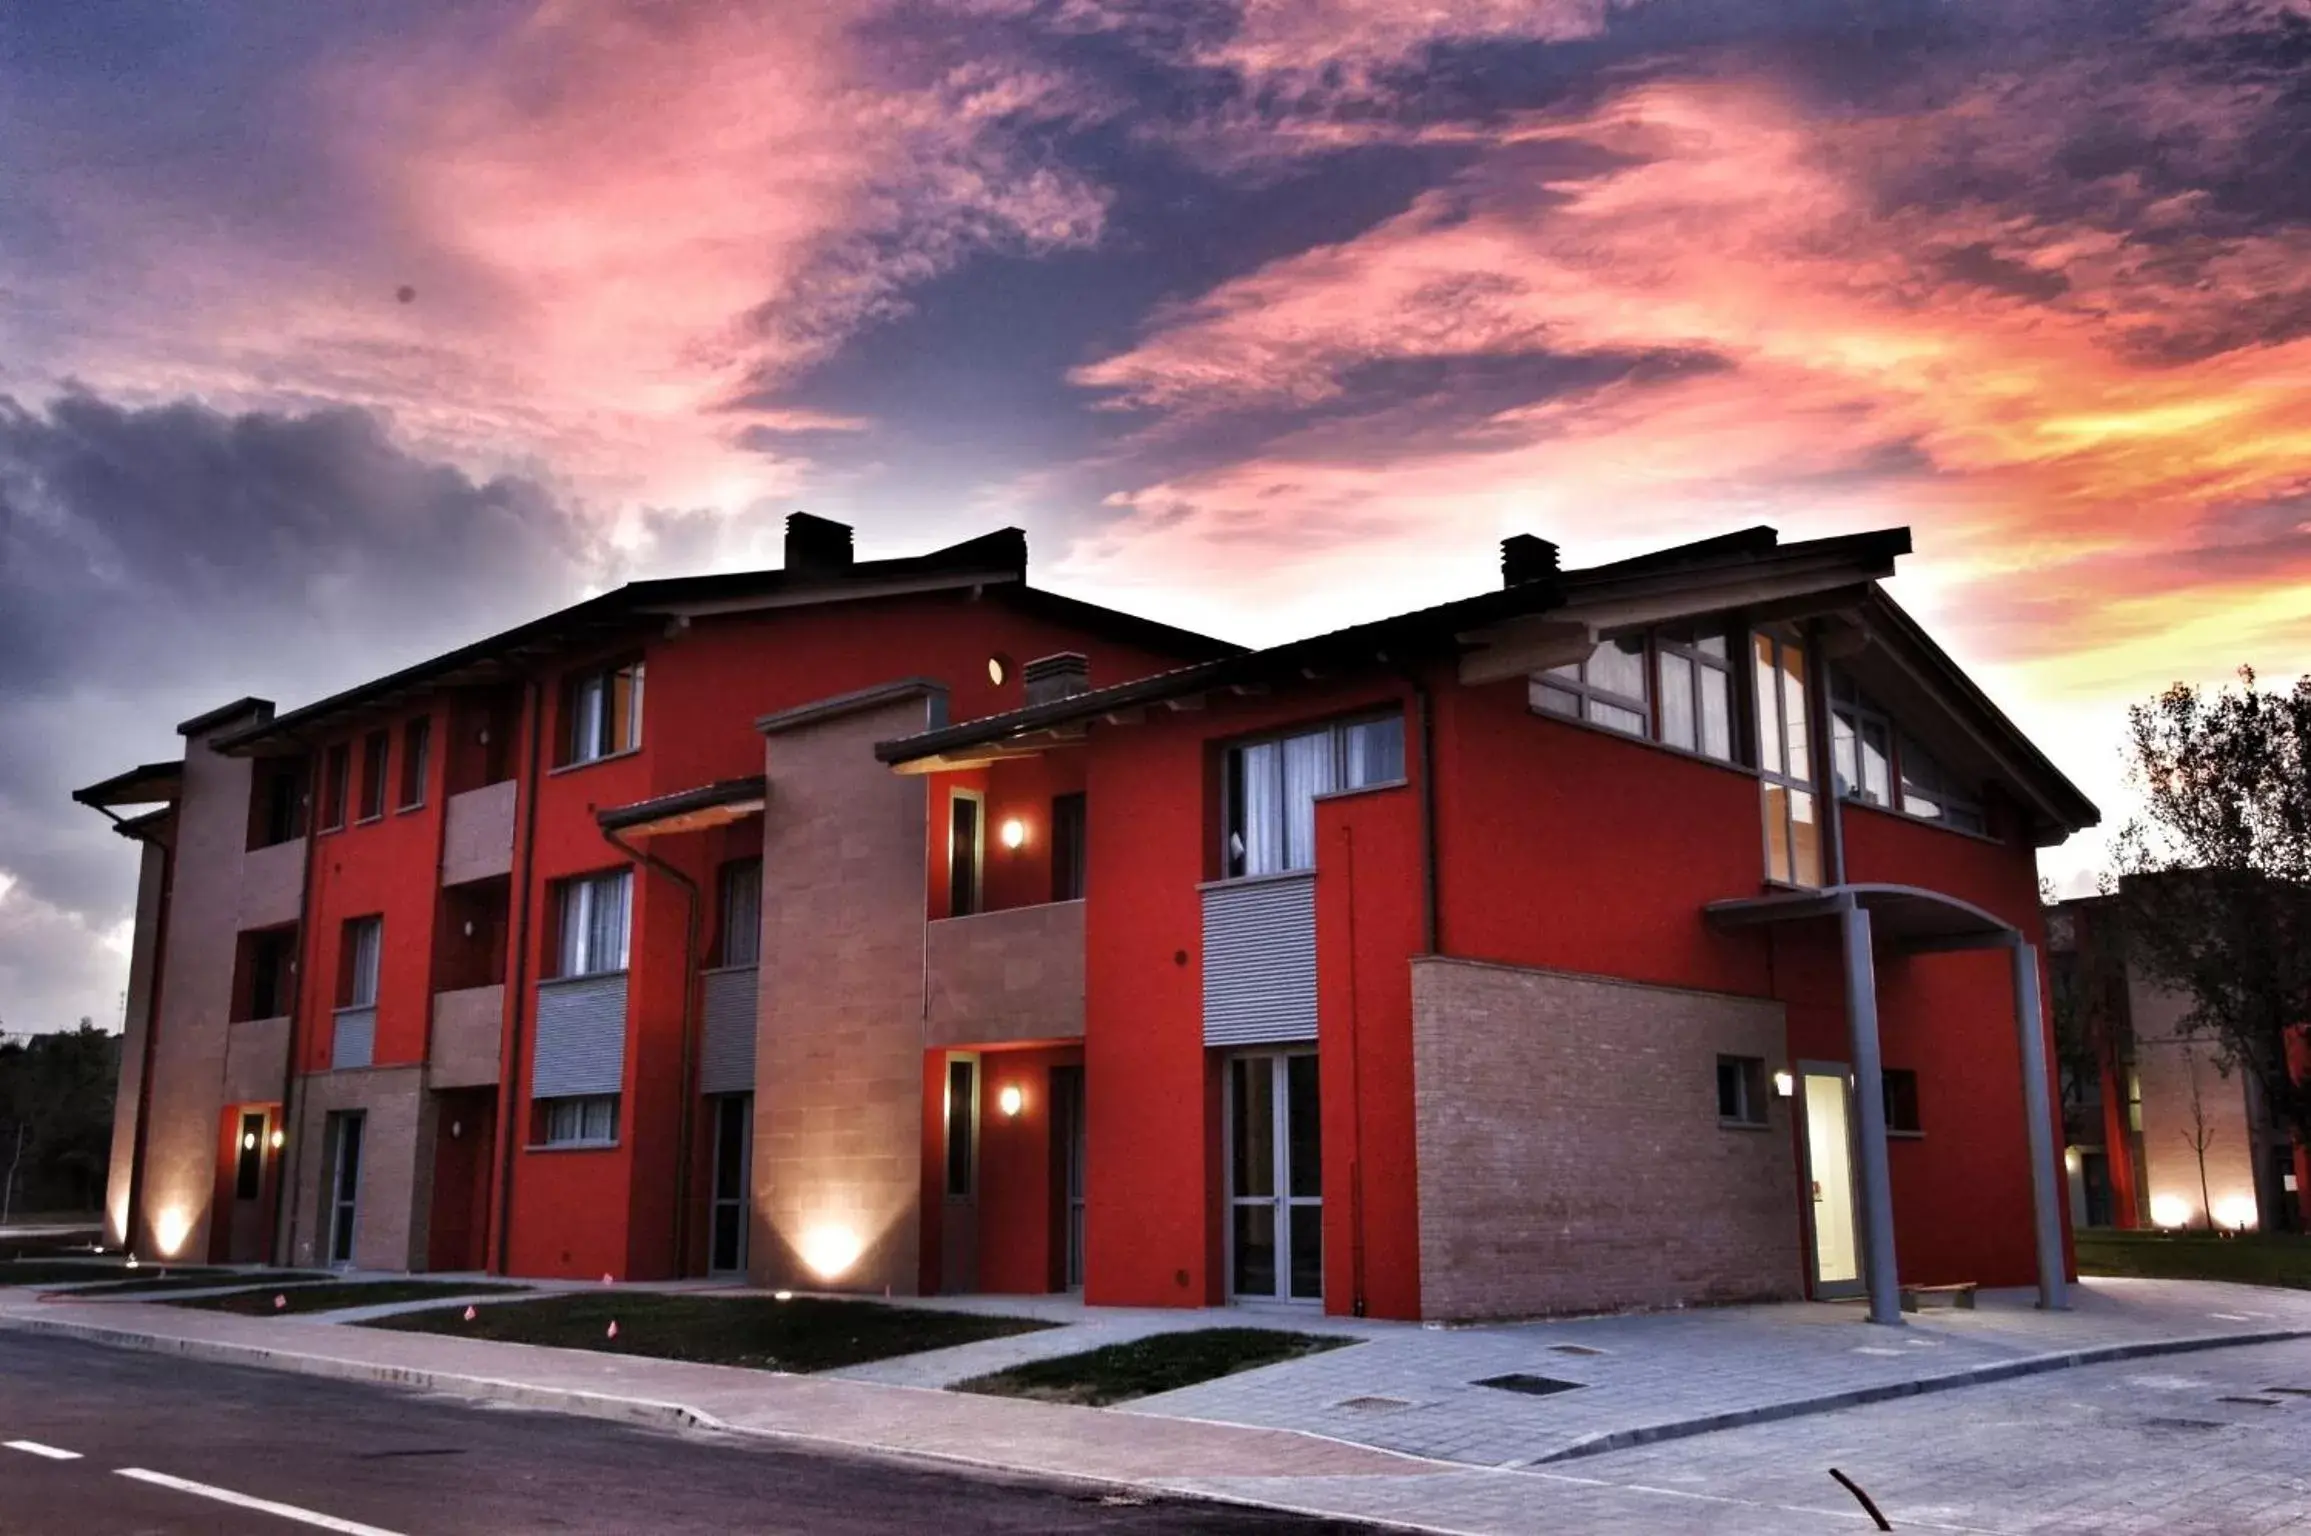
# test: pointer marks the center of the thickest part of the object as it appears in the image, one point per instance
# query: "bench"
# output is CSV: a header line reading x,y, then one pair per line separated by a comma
x,y
1915,1297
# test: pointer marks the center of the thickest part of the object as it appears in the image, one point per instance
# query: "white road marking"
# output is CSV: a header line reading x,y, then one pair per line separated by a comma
x,y
265,1506
35,1448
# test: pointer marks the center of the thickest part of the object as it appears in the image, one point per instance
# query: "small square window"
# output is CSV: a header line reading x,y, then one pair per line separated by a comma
x,y
1741,1090
1901,1086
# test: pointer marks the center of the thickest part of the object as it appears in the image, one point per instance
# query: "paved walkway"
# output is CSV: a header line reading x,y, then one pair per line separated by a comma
x,y
1396,1426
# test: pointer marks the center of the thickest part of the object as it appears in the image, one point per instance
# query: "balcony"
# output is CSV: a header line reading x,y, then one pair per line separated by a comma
x,y
477,838
726,1051
272,886
1010,975
256,1060
468,1025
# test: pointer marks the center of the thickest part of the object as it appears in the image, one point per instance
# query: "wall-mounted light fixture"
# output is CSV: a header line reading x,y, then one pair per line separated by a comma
x,y
998,669
280,1140
1010,1101
1014,833
1784,1085
248,1141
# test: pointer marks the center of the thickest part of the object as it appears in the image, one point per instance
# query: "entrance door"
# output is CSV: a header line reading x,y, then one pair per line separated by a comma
x,y
733,1170
1067,1134
248,1227
1829,1148
344,1183
959,1226
1275,1178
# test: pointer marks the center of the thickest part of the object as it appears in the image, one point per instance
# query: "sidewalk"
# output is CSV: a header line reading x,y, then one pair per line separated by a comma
x,y
1395,1428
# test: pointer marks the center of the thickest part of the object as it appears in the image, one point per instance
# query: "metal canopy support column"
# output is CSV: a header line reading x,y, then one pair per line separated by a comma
x,y
1877,1189
2038,1119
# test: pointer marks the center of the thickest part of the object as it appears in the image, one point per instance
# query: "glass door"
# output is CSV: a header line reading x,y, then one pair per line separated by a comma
x,y
1275,1178
733,1158
344,1184
1068,1123
1829,1143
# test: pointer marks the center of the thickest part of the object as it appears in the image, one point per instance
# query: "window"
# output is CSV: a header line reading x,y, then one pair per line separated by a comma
x,y
589,1121
249,1158
277,801
364,948
1740,1090
602,713
1793,841
1901,1087
591,912
966,845
741,912
962,1125
2134,1101
336,772
375,748
1067,821
1930,791
416,760
1272,788
1695,673
1608,689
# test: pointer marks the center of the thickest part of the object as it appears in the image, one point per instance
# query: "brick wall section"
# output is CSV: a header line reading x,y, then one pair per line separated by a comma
x,y
136,1037
396,1190
273,886
839,1047
256,1060
196,995
477,839
2167,1065
1000,976
1570,1155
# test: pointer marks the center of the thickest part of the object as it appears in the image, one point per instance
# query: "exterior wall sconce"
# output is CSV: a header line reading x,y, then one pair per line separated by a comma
x,y
1014,833
1784,1085
1010,1101
998,669
248,1141
280,1140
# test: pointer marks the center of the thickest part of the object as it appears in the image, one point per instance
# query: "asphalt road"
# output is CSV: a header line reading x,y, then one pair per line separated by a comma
x,y
360,1460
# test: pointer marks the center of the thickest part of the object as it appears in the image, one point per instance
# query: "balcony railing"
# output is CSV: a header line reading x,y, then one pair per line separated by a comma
x,y
272,886
477,835
1016,974
1260,960
468,1027
353,1043
726,1045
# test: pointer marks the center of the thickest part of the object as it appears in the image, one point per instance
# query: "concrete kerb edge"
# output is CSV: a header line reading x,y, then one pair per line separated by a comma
x,y
596,1405
1859,1397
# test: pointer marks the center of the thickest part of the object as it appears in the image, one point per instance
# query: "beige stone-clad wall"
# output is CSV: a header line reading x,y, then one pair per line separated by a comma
x,y
191,1035
396,1179
1570,1154
468,1025
1010,975
135,1040
2173,1071
838,1105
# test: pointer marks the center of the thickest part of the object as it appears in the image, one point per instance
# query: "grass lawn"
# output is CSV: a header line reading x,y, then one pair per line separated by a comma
x,y
194,1278
1144,1367
807,1333
59,1271
337,1294
2248,1258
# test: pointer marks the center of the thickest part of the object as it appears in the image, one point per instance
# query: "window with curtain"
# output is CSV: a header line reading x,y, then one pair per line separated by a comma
x,y
590,1120
1607,689
602,713
416,760
1273,787
592,915
1694,671
364,951
741,912
1793,833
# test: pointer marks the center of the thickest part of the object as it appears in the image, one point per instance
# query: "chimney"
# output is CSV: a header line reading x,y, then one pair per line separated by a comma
x,y
1526,558
1056,677
818,546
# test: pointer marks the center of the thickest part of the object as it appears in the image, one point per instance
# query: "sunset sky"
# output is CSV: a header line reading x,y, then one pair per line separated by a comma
x,y
331,336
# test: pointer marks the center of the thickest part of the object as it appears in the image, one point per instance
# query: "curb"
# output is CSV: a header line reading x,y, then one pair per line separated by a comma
x,y
1857,1397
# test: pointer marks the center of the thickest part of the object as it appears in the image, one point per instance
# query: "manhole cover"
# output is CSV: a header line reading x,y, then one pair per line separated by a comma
x,y
1372,1404
1575,1349
1531,1386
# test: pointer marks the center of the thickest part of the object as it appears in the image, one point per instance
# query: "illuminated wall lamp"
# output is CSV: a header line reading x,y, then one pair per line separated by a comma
x,y
1010,1101
280,1140
1014,833
1784,1085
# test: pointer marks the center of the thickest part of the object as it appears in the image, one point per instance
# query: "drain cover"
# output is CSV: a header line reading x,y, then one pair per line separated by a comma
x,y
1531,1386
1372,1404
1575,1349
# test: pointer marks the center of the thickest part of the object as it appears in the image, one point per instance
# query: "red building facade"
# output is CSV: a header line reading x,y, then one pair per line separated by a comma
x,y
897,925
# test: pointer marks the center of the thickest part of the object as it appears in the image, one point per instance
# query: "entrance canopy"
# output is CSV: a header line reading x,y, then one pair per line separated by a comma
x,y
1909,917
1918,921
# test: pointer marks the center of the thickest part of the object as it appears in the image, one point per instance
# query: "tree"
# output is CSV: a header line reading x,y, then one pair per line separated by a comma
x,y
2215,885
56,1117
